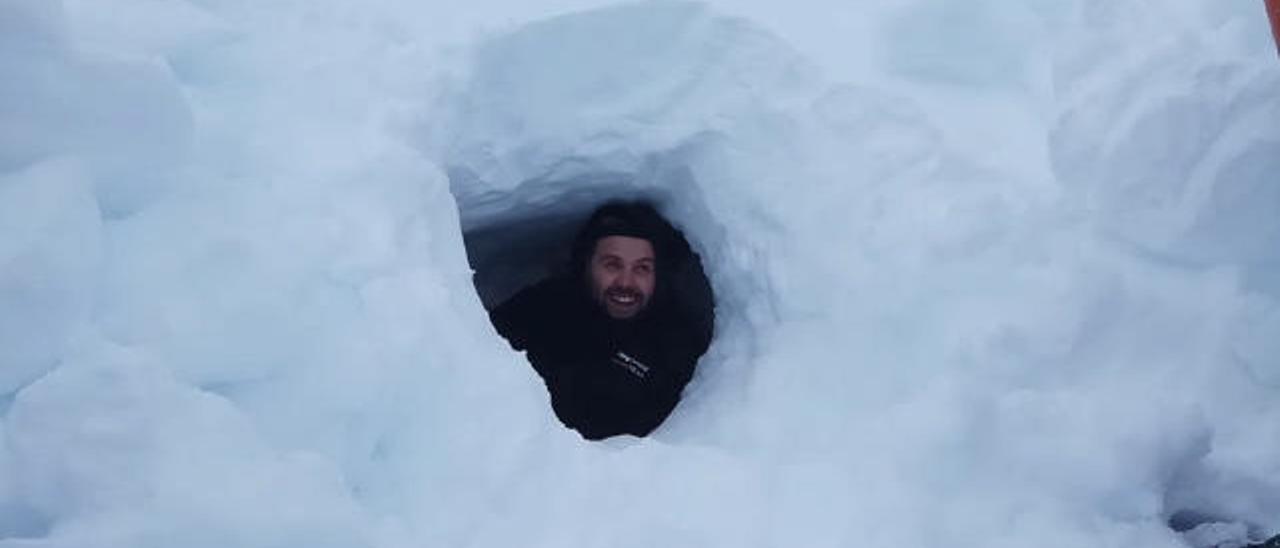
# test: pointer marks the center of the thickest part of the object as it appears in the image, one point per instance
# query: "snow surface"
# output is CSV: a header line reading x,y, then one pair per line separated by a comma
x,y
989,274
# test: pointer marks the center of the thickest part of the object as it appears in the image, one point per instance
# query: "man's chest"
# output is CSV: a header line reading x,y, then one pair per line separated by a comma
x,y
631,358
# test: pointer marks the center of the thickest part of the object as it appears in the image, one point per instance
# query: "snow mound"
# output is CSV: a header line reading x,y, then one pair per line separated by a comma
x,y
998,279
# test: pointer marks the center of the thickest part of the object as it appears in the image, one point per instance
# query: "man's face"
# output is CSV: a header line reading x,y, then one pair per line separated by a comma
x,y
622,273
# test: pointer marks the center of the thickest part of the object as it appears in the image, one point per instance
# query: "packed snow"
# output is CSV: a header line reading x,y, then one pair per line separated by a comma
x,y
988,274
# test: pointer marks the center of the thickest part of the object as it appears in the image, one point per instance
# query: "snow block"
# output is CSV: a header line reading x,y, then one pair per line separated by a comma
x,y
50,250
124,118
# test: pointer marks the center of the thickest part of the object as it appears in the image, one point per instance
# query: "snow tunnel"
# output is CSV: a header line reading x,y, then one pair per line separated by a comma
x,y
517,239
546,124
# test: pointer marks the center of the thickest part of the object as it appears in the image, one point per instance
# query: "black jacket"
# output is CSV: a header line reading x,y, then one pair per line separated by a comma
x,y
606,377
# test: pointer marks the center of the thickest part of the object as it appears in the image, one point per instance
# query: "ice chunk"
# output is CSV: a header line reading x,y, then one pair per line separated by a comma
x,y
50,253
125,119
117,452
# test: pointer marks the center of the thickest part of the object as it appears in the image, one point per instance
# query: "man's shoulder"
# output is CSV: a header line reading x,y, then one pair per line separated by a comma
x,y
531,311
686,325
549,292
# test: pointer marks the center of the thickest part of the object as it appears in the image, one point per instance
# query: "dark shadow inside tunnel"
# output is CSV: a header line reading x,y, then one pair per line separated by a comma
x,y
507,256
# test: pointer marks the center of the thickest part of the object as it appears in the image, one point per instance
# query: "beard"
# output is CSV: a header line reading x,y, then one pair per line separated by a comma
x,y
622,303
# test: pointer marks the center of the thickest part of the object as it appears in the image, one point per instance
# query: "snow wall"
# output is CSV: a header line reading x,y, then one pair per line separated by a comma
x,y
992,275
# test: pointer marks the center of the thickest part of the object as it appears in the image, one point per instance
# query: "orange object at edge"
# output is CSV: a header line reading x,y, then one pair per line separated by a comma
x,y
1273,12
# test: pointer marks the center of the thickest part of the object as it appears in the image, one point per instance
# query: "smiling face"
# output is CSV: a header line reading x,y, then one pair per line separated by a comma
x,y
622,274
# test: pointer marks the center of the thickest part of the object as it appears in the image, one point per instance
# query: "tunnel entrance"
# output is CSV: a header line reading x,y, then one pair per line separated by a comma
x,y
542,125
544,302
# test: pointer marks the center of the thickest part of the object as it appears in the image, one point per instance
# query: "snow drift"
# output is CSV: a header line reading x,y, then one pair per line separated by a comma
x,y
993,276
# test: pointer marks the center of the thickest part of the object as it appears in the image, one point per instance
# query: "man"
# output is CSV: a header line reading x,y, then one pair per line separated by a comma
x,y
617,336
